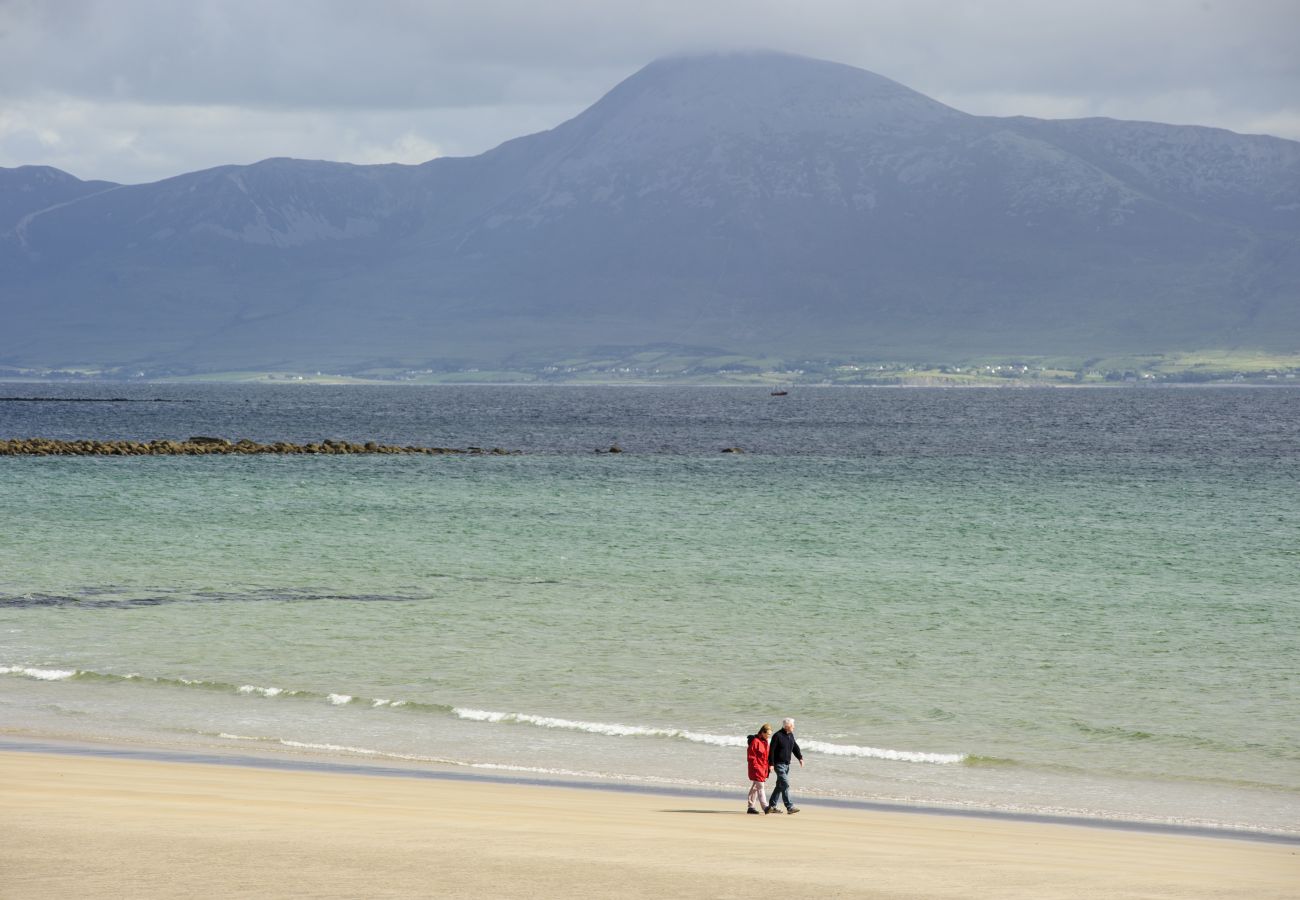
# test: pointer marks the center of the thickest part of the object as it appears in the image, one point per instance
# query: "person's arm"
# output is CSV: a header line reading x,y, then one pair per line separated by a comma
x,y
797,754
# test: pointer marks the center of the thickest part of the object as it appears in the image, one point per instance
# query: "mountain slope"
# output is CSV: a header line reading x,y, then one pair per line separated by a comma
x,y
30,189
760,203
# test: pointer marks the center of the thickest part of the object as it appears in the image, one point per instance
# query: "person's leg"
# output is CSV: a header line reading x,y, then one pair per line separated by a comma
x,y
753,795
782,784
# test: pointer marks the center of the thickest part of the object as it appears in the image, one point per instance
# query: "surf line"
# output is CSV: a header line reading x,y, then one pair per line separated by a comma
x,y
719,740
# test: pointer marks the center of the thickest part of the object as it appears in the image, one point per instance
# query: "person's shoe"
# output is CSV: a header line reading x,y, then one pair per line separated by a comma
x,y
792,810
752,811
774,809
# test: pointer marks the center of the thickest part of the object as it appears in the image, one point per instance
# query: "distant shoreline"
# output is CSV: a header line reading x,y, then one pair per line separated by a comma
x,y
987,384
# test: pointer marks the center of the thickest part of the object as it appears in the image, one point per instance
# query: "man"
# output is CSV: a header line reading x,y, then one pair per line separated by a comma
x,y
783,746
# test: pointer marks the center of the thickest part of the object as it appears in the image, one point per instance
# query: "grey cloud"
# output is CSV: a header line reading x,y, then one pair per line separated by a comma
x,y
463,77
321,54
333,54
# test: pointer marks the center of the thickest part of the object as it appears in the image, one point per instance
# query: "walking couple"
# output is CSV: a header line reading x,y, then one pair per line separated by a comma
x,y
764,757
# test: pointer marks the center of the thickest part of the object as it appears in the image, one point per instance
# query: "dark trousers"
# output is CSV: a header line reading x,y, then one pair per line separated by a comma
x,y
782,790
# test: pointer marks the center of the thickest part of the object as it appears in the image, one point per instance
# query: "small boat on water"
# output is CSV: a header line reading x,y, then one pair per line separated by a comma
x,y
780,392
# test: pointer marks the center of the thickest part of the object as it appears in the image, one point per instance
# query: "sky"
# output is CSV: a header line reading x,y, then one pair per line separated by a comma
x,y
139,90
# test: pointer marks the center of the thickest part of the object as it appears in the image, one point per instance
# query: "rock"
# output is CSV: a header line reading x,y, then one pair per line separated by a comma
x,y
202,445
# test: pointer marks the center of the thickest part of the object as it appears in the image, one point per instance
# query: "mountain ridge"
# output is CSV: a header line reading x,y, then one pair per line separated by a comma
x,y
762,204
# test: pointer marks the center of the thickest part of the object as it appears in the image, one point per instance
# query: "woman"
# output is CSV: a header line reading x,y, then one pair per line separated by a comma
x,y
758,769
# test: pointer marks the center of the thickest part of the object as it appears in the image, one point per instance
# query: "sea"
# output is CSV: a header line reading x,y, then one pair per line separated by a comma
x,y
1060,602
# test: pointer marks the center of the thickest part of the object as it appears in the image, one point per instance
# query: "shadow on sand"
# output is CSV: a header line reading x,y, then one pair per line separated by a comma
x,y
707,812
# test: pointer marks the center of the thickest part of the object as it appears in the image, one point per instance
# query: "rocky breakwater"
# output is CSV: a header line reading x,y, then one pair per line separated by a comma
x,y
205,446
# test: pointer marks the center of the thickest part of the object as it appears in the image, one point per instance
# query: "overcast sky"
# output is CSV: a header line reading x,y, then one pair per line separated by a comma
x,y
137,90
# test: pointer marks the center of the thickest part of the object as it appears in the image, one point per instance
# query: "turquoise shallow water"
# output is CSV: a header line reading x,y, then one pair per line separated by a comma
x,y
998,609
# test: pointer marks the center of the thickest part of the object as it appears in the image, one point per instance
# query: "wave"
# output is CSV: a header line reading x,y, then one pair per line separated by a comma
x,y
941,759
254,690
610,729
39,674
332,748
719,740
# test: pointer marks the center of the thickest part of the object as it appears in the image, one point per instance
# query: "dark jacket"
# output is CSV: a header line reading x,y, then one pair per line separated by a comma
x,y
783,744
756,756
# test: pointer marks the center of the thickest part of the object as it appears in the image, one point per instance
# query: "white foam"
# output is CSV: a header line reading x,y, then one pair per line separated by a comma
x,y
363,751
607,728
264,691
880,753
717,740
340,699
537,770
38,674
337,748
496,767
698,737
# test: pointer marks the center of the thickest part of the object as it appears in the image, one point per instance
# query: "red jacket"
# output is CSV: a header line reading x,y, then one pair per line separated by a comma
x,y
757,756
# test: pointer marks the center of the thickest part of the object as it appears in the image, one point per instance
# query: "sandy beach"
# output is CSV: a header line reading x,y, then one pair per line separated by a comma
x,y
79,826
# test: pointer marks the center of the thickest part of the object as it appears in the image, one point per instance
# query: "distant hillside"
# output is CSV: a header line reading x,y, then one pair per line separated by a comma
x,y
33,189
756,204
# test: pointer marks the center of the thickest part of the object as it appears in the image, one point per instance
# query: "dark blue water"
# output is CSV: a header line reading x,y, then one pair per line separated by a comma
x,y
1211,425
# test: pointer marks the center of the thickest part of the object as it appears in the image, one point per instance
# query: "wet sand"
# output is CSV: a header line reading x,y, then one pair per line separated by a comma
x,y
85,826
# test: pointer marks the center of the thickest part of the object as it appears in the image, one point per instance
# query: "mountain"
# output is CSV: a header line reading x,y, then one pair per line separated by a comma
x,y
752,203
30,189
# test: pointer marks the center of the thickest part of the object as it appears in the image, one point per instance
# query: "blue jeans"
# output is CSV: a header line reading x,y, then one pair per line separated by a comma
x,y
782,790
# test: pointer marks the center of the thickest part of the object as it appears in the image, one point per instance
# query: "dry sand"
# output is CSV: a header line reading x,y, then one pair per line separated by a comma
x,y
86,827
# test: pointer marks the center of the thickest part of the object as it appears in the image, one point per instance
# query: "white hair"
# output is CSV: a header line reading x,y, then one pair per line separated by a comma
x,y
787,721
